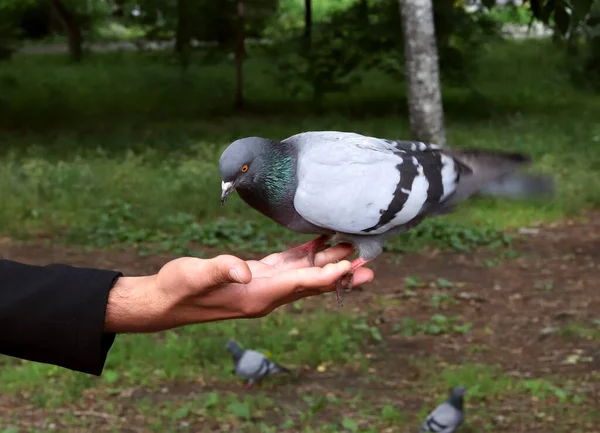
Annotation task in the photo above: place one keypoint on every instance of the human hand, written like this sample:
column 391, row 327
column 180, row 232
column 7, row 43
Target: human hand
column 191, row 290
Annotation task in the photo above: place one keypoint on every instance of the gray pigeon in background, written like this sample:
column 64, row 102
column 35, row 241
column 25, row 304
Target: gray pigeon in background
column 252, row 365
column 448, row 416
column 361, row 190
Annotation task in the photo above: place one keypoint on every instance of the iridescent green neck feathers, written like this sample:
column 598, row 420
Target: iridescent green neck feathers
column 278, row 175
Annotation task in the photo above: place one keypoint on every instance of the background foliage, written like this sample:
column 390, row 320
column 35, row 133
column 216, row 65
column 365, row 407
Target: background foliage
column 118, row 151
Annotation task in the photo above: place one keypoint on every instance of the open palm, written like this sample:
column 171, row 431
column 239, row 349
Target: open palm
column 207, row 290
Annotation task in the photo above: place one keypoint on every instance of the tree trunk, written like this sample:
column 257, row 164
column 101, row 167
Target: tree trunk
column 71, row 27
column 572, row 45
column 182, row 33
column 307, row 21
column 364, row 11
column 422, row 72
column 119, row 9
column 239, row 56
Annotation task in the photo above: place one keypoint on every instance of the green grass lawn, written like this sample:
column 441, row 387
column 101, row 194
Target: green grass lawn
column 185, row 378
column 198, row 353
column 123, row 149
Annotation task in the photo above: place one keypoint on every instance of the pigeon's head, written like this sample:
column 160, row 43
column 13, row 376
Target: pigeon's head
column 232, row 345
column 235, row 349
column 456, row 397
column 240, row 164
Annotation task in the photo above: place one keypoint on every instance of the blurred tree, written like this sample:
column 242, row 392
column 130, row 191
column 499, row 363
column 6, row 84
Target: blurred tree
column 119, row 9
column 577, row 22
column 363, row 11
column 422, row 72
column 461, row 34
column 35, row 21
column 339, row 47
column 207, row 20
column 365, row 35
column 240, row 53
column 10, row 15
column 8, row 36
column 71, row 27
column 307, row 21
column 183, row 31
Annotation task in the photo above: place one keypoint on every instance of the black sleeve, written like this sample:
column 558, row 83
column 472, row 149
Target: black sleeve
column 55, row 314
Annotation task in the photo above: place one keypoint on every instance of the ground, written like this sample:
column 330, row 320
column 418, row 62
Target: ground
column 119, row 155
column 526, row 347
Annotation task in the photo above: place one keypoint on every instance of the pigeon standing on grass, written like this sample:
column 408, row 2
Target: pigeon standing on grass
column 252, row 365
column 448, row 416
column 361, row 190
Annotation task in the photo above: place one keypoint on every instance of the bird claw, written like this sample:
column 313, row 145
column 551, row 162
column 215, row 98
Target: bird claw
column 311, row 257
column 338, row 293
column 339, row 287
column 350, row 276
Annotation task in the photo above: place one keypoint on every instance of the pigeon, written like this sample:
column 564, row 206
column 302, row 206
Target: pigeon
column 448, row 416
column 252, row 365
column 356, row 189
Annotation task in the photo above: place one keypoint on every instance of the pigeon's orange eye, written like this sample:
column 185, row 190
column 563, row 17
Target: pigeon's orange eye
column 244, row 168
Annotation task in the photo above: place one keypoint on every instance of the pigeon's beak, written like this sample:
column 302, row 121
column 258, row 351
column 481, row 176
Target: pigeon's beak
column 226, row 189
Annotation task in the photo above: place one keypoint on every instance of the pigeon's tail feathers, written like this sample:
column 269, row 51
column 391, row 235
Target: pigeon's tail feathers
column 520, row 185
column 494, row 172
column 277, row 368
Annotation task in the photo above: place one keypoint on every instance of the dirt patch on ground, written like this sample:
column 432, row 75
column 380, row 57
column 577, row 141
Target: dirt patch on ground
column 521, row 303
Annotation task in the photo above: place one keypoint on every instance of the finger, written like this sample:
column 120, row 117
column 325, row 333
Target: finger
column 361, row 276
column 330, row 255
column 265, row 294
column 272, row 259
column 285, row 283
column 226, row 269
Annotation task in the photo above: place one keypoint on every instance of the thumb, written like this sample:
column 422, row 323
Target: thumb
column 227, row 269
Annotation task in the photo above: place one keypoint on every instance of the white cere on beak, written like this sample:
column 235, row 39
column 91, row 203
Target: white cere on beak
column 226, row 188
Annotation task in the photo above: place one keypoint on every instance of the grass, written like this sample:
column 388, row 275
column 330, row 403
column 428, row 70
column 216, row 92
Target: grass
column 141, row 142
column 198, row 353
column 438, row 324
column 122, row 151
column 345, row 407
column 577, row 330
column 182, row 380
column 489, row 382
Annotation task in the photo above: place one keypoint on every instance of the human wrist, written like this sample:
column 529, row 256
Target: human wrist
column 133, row 306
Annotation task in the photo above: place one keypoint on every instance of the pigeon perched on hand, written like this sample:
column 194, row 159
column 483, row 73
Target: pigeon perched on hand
column 361, row 190
column 448, row 416
column 252, row 365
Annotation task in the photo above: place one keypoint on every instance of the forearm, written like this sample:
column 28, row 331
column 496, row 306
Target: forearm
column 133, row 306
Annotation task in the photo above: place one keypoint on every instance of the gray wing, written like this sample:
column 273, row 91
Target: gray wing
column 357, row 184
column 444, row 419
column 250, row 364
column 255, row 365
column 414, row 145
column 319, row 138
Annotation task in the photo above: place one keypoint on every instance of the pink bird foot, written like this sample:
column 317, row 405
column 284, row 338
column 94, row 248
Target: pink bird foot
column 309, row 249
column 356, row 263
